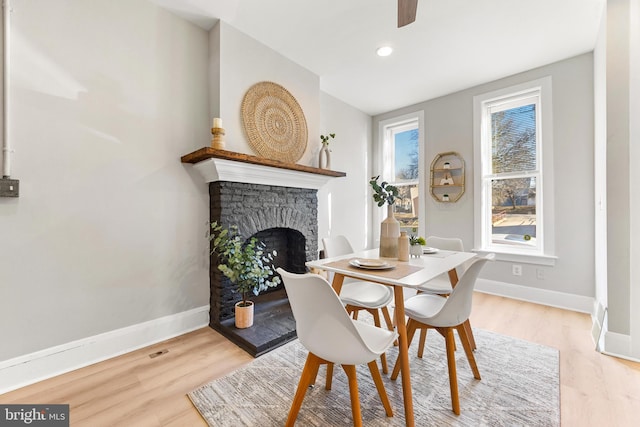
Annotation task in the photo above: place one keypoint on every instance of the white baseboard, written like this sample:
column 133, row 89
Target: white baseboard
column 563, row 300
column 612, row 344
column 618, row 345
column 31, row 368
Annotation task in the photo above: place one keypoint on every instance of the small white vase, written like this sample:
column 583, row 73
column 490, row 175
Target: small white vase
column 244, row 315
column 389, row 233
column 324, row 157
column 416, row 250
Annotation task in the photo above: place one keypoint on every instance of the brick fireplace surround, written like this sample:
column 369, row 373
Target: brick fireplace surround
column 277, row 203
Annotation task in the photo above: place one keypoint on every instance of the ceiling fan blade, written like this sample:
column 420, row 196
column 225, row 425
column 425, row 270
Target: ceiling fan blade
column 406, row 12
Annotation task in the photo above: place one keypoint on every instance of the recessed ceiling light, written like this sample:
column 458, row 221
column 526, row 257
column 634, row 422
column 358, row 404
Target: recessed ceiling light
column 384, row 51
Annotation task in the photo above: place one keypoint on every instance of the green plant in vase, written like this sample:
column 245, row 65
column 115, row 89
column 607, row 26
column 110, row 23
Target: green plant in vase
column 247, row 264
column 416, row 243
column 324, row 159
column 385, row 193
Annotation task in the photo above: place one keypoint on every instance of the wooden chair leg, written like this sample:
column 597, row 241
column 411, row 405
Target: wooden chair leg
column 443, row 332
column 306, row 379
column 391, row 322
column 387, row 318
column 412, row 325
column 466, row 344
column 350, row 370
column 314, row 373
column 383, row 362
column 472, row 340
column 423, row 339
column 453, row 377
column 376, row 317
column 377, row 379
column 352, row 310
column 383, row 357
column 396, row 369
column 329, row 378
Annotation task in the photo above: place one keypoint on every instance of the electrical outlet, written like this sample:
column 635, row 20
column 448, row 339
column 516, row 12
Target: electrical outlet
column 9, row 187
column 540, row 273
column 516, row 270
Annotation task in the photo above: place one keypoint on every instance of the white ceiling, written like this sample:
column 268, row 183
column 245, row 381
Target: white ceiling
column 452, row 45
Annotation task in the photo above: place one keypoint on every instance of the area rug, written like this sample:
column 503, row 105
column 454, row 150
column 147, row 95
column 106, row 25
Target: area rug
column 519, row 387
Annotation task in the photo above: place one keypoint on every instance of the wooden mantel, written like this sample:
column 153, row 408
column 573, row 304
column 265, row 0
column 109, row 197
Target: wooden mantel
column 222, row 165
column 206, row 153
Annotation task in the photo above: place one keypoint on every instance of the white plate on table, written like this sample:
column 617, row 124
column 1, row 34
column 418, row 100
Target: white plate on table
column 371, row 264
column 428, row 250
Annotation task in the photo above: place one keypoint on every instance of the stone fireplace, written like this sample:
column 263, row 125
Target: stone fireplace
column 277, row 203
column 285, row 219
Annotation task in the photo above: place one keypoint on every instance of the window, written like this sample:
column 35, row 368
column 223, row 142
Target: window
column 513, row 180
column 400, row 160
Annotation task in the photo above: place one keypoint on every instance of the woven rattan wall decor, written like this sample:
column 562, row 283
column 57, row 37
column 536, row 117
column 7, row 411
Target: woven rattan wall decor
column 274, row 122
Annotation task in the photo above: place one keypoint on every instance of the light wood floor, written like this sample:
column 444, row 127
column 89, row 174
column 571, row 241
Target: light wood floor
column 136, row 390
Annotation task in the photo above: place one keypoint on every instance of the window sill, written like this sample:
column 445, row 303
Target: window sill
column 549, row 260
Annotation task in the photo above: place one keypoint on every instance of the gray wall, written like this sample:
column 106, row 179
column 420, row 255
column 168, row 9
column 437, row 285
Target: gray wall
column 245, row 61
column 344, row 204
column 618, row 150
column 619, row 44
column 109, row 228
column 634, row 158
column 449, row 127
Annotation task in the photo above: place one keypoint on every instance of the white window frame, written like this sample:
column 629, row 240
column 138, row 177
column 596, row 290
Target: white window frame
column 384, row 161
column 511, row 97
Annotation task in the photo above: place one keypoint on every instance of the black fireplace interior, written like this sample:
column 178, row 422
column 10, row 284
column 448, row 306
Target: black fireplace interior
column 285, row 219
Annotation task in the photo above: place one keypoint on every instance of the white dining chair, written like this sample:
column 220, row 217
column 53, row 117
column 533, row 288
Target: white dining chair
column 360, row 295
column 444, row 314
column 331, row 336
column 442, row 285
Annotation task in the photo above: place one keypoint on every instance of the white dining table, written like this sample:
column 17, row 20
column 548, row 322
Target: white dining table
column 407, row 274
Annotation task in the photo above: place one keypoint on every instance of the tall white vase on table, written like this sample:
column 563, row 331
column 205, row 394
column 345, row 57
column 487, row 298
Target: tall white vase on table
column 389, row 233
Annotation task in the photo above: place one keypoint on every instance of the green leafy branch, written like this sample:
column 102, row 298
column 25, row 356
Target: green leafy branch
column 247, row 264
column 325, row 138
column 383, row 192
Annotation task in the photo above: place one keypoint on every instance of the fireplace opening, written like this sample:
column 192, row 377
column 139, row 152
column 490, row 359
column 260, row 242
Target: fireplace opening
column 273, row 323
column 289, row 245
column 290, row 255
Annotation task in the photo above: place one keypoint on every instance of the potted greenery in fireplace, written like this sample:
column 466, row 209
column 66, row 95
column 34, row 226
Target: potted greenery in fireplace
column 247, row 264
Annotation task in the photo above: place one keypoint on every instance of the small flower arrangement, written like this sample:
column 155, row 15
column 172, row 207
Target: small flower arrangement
column 417, row 240
column 325, row 138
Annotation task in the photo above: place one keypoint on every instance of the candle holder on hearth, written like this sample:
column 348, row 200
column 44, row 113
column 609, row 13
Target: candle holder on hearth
column 217, row 141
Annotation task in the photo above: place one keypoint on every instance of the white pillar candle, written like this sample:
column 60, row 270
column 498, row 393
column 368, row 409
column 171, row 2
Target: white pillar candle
column 217, row 122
